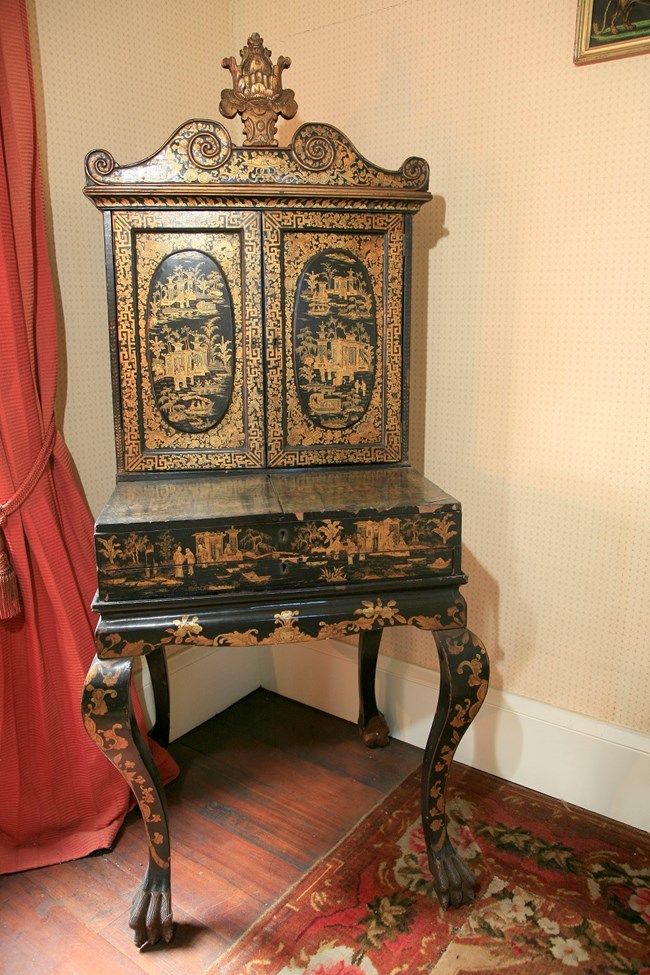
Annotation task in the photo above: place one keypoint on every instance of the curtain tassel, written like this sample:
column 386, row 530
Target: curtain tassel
column 9, row 594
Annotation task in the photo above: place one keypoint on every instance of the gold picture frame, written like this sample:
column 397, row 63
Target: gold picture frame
column 607, row 29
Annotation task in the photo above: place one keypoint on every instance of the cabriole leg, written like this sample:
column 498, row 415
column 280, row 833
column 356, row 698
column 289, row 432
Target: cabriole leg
column 157, row 664
column 109, row 720
column 464, row 673
column 372, row 725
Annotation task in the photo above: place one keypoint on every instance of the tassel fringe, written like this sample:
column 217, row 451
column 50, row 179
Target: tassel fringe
column 9, row 593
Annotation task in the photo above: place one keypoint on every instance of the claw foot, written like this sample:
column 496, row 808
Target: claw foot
column 453, row 881
column 376, row 733
column 151, row 915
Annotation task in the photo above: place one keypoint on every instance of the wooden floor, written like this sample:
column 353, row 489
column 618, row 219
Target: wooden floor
column 266, row 788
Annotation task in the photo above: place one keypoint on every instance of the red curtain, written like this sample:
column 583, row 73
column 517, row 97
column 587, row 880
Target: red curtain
column 59, row 797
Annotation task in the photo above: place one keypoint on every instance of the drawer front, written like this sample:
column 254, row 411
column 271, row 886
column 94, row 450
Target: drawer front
column 349, row 550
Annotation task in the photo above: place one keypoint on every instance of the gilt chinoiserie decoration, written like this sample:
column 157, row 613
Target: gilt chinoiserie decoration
column 257, row 93
column 259, row 334
column 258, row 302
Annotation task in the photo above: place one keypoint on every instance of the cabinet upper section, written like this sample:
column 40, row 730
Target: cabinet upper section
column 257, row 295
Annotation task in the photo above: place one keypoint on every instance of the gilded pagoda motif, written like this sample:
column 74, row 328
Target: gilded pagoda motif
column 257, row 94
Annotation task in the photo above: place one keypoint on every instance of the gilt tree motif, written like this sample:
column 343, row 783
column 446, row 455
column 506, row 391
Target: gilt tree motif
column 331, row 533
column 134, row 544
column 111, row 549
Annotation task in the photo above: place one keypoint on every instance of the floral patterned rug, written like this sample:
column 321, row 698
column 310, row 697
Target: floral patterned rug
column 559, row 890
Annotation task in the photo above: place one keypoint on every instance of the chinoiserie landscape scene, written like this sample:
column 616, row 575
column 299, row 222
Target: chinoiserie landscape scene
column 295, row 552
column 335, row 339
column 190, row 341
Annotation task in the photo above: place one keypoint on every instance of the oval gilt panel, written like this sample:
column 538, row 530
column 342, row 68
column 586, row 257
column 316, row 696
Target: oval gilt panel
column 190, row 341
column 335, row 339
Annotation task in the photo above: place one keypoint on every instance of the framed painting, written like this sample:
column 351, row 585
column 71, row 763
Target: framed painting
column 607, row 29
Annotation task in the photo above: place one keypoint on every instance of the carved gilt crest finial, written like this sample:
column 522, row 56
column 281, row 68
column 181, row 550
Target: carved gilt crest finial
column 257, row 93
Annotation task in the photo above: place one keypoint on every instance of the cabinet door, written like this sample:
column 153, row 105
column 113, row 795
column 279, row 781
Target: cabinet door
column 187, row 340
column 334, row 323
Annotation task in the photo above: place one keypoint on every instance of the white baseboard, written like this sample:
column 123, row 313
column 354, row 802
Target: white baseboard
column 590, row 763
column 202, row 682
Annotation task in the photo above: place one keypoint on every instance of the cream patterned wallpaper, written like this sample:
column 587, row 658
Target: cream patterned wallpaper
column 531, row 283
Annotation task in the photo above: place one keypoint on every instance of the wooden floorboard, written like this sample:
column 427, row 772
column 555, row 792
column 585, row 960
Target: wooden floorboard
column 266, row 788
